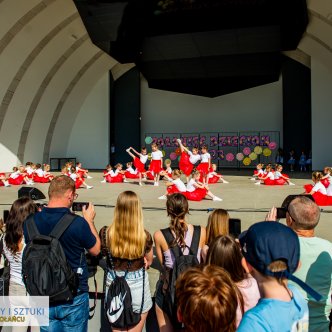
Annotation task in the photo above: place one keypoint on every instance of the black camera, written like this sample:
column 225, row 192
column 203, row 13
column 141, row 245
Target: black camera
column 78, row 206
column 234, row 225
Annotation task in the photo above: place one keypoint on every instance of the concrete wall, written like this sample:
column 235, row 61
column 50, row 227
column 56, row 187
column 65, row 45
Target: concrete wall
column 256, row 109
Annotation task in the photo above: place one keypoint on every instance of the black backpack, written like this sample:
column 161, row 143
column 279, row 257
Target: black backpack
column 118, row 302
column 45, row 269
column 181, row 263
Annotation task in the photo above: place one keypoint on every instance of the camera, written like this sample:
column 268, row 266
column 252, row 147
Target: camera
column 234, row 225
column 78, row 206
column 281, row 211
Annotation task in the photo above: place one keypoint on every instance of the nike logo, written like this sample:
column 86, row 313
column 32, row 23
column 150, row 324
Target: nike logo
column 116, row 308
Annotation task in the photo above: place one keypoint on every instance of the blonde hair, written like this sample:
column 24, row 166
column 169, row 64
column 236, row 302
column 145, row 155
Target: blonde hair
column 126, row 236
column 218, row 224
column 317, row 176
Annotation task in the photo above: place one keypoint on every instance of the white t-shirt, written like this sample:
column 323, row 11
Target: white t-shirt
column 319, row 187
column 205, row 157
column 191, row 185
column 194, row 158
column 270, row 175
column 131, row 170
column 179, row 184
column 14, row 175
column 39, row 172
column 156, row 155
column 73, row 176
column 15, row 263
column 277, row 175
column 143, row 158
column 29, row 170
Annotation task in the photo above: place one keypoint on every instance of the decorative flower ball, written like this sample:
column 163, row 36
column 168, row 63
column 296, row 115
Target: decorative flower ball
column 246, row 161
column 173, row 156
column 267, row 152
column 178, row 151
column 272, row 145
column 246, row 151
column 148, row 140
column 229, row 156
column 253, row 156
column 239, row 156
column 258, row 149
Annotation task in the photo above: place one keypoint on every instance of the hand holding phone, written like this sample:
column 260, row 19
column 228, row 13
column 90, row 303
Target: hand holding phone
column 78, row 206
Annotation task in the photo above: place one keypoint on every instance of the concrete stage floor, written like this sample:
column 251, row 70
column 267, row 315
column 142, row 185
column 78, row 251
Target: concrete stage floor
column 241, row 198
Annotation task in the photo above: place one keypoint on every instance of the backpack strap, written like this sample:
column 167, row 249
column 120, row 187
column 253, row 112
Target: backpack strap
column 169, row 239
column 62, row 225
column 195, row 240
column 31, row 227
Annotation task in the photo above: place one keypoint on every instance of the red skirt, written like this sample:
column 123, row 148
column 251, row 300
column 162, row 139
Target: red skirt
column 184, row 164
column 155, row 166
column 149, row 175
column 173, row 189
column 40, row 179
column 114, row 179
column 214, row 179
column 81, row 173
column 325, row 182
column 1, row 183
column 16, row 182
column 129, row 175
column 320, row 199
column 197, row 195
column 203, row 168
column 279, row 182
column 78, row 183
column 139, row 165
column 269, row 182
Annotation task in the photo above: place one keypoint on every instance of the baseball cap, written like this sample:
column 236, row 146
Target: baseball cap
column 266, row 242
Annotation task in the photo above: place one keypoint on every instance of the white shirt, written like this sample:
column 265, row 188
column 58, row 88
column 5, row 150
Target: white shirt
column 179, row 184
column 270, row 175
column 15, row 262
column 205, row 157
column 329, row 190
column 260, row 172
column 29, row 170
column 39, row 172
column 157, row 155
column 277, row 175
column 194, row 158
column 73, row 176
column 319, row 187
column 143, row 158
column 131, row 170
column 191, row 185
column 14, row 175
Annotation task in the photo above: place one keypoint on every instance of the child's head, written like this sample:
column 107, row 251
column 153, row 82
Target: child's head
column 218, row 224
column 73, row 169
column 28, row 164
column 214, row 167
column 15, row 169
column 129, row 164
column 38, row 166
column 195, row 174
column 78, row 164
column 207, row 300
column 154, row 147
column 225, row 252
column 194, row 150
column 143, row 150
column 64, row 170
column 204, row 148
column 316, row 176
column 176, row 174
column 327, row 170
column 118, row 166
column 272, row 249
column 259, row 166
column 168, row 163
column 21, row 168
column 268, row 168
column 109, row 167
column 47, row 167
column 279, row 168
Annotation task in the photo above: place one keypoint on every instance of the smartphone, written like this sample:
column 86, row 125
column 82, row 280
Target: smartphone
column 234, row 225
column 5, row 215
column 281, row 212
column 78, row 206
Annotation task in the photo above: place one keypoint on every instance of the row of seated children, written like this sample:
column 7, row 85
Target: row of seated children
column 77, row 173
column 322, row 188
column 29, row 174
column 271, row 176
column 195, row 190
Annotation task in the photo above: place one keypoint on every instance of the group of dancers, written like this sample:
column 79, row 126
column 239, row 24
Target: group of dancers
column 29, row 174
column 271, row 176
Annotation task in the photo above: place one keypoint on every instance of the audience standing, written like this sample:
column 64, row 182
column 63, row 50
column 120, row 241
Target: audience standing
column 81, row 235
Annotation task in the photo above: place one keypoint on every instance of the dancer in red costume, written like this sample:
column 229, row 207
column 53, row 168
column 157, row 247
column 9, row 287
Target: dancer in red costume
column 196, row 190
column 4, row 180
column 318, row 191
column 130, row 173
column 79, row 181
column 258, row 172
column 139, row 160
column 280, row 178
column 188, row 159
column 213, row 176
column 114, row 176
column 174, row 185
column 18, row 177
column 267, row 178
column 156, row 165
column 205, row 164
column 82, row 172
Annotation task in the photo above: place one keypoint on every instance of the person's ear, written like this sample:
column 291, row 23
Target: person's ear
column 179, row 315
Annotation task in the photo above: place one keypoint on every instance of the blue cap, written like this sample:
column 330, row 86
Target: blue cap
column 266, row 242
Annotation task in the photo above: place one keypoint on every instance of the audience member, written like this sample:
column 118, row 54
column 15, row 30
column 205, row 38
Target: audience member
column 272, row 253
column 316, row 260
column 14, row 245
column 81, row 235
column 218, row 224
column 130, row 247
column 225, row 252
column 183, row 232
column 207, row 300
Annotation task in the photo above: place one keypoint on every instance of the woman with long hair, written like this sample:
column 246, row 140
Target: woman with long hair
column 225, row 252
column 14, row 245
column 130, row 248
column 183, row 233
column 218, row 224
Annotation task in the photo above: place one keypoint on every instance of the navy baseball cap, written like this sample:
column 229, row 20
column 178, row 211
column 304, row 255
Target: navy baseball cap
column 269, row 241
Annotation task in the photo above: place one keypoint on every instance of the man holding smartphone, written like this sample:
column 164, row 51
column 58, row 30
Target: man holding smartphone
column 80, row 235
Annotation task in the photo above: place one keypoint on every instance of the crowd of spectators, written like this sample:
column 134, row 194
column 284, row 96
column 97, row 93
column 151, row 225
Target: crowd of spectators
column 274, row 277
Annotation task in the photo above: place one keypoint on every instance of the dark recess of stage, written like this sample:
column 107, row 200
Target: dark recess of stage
column 199, row 47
